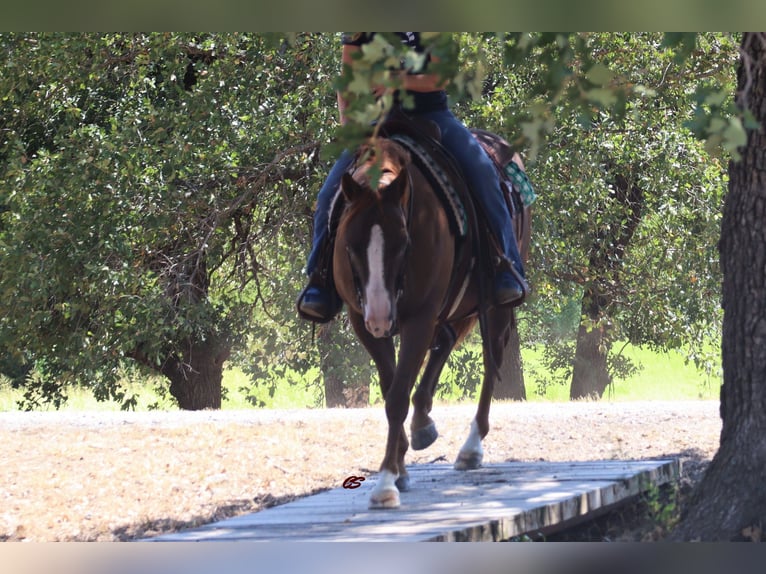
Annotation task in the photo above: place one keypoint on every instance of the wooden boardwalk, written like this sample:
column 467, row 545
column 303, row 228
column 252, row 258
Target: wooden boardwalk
column 493, row 503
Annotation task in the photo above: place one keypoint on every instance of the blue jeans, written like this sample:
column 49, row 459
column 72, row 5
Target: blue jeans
column 481, row 174
column 477, row 168
column 324, row 201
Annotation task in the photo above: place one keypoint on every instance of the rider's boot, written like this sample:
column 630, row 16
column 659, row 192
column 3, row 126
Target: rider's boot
column 319, row 301
column 318, row 304
column 510, row 286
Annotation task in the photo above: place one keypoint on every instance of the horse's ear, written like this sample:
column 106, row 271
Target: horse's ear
column 396, row 190
column 350, row 188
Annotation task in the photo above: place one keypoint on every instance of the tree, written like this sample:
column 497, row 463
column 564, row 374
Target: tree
column 347, row 370
column 147, row 179
column 730, row 502
column 629, row 200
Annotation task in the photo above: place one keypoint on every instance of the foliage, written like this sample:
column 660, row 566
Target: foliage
column 663, row 283
column 149, row 183
column 558, row 358
column 156, row 190
column 346, row 367
column 462, row 375
column 662, row 506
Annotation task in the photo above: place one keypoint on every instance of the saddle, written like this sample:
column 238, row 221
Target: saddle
column 422, row 138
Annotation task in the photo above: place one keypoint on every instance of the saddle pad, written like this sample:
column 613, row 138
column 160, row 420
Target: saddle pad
column 449, row 195
column 521, row 183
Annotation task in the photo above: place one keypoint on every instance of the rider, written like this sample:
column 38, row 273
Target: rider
column 318, row 302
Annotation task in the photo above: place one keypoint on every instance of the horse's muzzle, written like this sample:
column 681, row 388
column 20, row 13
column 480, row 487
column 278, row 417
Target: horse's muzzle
column 380, row 328
column 379, row 318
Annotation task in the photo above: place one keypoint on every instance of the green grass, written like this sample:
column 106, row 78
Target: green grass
column 287, row 396
column 663, row 376
column 234, row 380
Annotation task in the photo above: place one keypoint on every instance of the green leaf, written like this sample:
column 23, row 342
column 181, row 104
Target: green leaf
column 682, row 42
column 734, row 135
column 602, row 96
column 599, row 74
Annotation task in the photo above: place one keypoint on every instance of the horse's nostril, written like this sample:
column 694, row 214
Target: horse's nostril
column 379, row 329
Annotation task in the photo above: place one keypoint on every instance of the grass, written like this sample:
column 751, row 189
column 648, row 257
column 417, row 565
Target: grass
column 239, row 387
column 662, row 376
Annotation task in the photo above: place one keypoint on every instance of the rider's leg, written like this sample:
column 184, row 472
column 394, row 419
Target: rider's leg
column 482, row 176
column 318, row 301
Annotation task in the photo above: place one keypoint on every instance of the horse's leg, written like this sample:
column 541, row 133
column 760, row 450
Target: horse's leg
column 416, row 336
column 422, row 427
column 498, row 330
column 381, row 350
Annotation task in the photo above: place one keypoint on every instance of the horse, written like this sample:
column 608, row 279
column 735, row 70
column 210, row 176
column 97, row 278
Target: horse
column 400, row 269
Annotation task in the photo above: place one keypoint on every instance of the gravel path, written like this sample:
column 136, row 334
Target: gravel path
column 121, row 476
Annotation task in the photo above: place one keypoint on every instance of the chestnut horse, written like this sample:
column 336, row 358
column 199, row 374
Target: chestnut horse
column 400, row 269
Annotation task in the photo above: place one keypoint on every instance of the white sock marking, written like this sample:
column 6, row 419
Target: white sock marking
column 473, row 442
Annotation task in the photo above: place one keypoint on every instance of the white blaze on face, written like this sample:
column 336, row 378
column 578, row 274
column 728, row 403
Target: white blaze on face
column 377, row 301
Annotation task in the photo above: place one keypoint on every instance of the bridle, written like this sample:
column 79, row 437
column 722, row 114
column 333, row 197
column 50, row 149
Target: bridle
column 399, row 282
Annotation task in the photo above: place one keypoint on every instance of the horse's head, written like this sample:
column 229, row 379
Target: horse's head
column 376, row 239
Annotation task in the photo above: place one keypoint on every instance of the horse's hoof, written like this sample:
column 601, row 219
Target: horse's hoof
column 468, row 460
column 387, row 498
column 423, row 438
column 403, row 483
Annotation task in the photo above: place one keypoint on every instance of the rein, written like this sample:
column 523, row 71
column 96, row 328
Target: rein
column 408, row 219
column 401, row 276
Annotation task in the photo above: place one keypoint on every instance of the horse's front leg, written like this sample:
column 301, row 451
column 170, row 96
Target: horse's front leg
column 415, row 339
column 381, row 350
column 422, row 427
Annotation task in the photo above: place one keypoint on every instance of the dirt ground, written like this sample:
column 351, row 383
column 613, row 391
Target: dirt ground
column 125, row 476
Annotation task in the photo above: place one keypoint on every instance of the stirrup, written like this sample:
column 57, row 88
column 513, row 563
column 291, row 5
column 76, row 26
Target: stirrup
column 513, row 297
column 323, row 313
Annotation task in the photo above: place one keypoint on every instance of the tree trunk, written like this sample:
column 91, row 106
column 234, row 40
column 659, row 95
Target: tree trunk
column 590, row 376
column 195, row 379
column 730, row 498
column 333, row 389
column 345, row 367
column 511, row 383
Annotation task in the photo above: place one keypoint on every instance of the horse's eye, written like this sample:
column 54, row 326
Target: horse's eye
column 353, row 256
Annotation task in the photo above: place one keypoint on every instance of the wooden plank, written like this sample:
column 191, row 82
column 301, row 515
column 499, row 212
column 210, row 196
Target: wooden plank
column 495, row 502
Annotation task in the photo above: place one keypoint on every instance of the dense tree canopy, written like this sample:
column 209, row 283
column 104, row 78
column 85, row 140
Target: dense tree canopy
column 157, row 189
column 630, row 201
column 148, row 183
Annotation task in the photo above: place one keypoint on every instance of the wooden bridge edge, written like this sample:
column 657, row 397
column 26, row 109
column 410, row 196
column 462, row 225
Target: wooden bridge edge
column 562, row 515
